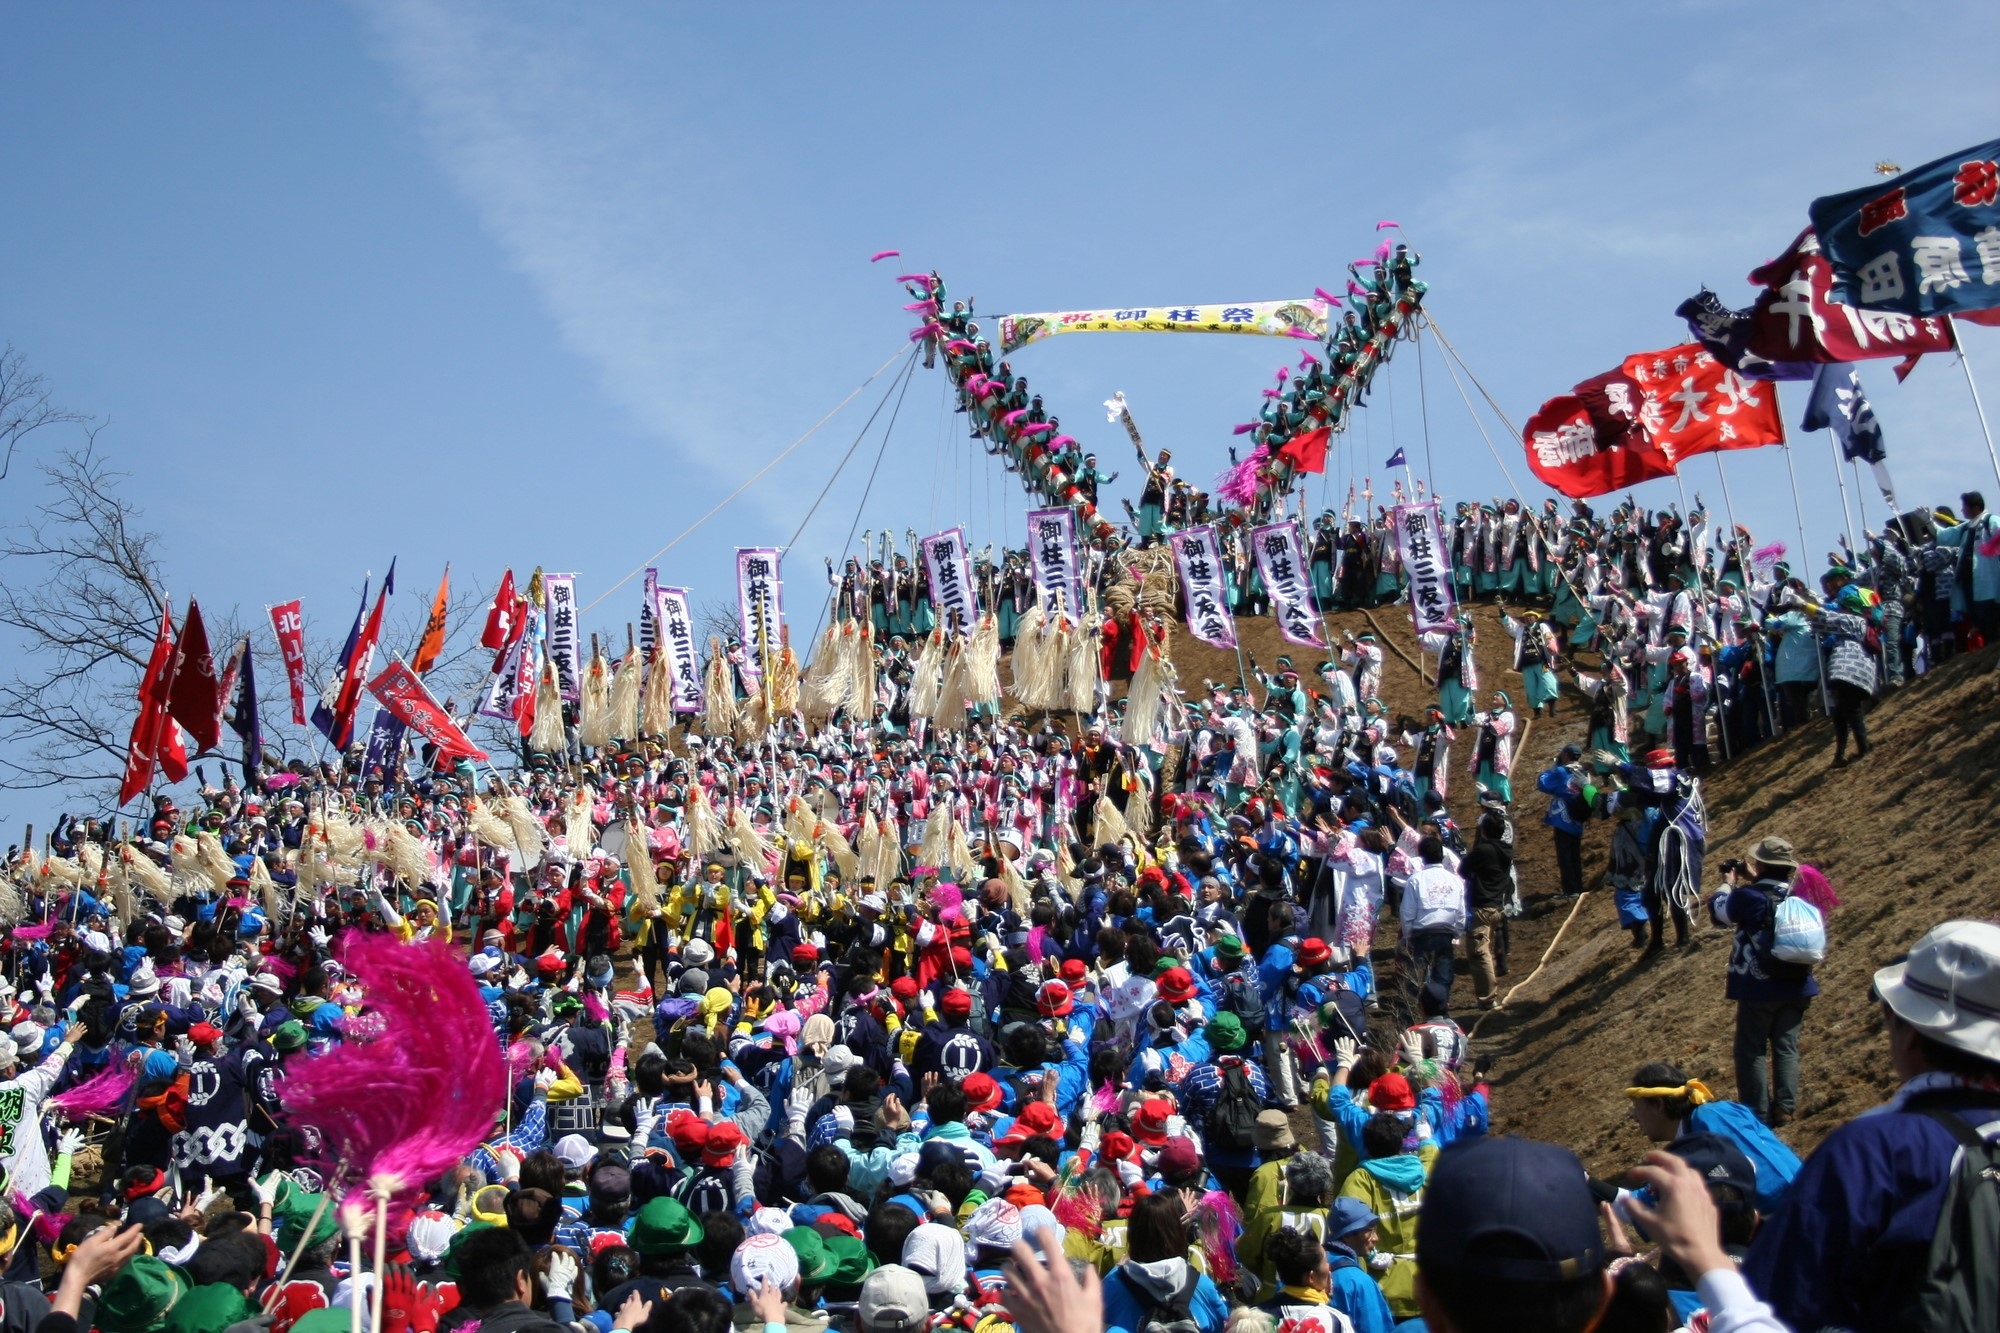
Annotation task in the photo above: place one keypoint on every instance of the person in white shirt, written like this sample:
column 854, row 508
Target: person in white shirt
column 1433, row 919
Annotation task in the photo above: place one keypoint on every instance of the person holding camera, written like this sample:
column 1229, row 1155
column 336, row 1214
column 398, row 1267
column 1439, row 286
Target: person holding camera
column 1771, row 995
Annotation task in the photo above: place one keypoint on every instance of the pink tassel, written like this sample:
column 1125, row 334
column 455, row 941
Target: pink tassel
column 924, row 278
column 1366, row 263
column 1272, row 393
column 1106, row 1098
column 1219, row 1224
column 959, row 345
column 1243, row 429
column 881, row 255
column 1306, row 334
column 1061, row 440
column 1357, row 288
column 1384, row 250
column 923, row 307
column 593, row 1008
column 1326, row 296
column 1380, row 225
column 1284, row 373
column 40, row 932
column 103, row 1094
column 48, row 1226
column 948, row 895
column 436, row 1051
column 1013, row 416
column 1307, row 359
column 1813, row 887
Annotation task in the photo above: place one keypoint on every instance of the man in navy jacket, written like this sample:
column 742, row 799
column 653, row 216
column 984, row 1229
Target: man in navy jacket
column 1848, row 1246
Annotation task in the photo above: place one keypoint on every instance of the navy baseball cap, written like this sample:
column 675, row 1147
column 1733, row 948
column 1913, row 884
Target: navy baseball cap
column 1720, row 1162
column 1512, row 1209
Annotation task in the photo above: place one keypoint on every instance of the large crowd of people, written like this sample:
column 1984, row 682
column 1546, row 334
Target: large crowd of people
column 915, row 1013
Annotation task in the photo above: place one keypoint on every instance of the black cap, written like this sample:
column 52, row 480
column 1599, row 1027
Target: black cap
column 1512, row 1209
column 1720, row 1162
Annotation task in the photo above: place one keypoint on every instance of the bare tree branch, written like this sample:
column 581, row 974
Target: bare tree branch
column 25, row 405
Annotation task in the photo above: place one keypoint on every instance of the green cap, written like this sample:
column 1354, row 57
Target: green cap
column 851, row 1261
column 321, row 1321
column 815, row 1264
column 665, row 1226
column 289, row 1035
column 1225, row 1032
column 295, row 1209
column 139, row 1299
column 210, row 1309
column 1228, row 946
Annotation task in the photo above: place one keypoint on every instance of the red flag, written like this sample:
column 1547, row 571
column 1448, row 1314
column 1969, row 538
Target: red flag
column 173, row 753
column 1692, row 404
column 1306, row 451
column 196, row 697
column 1797, row 319
column 410, row 703
column 356, row 668
column 432, row 646
column 288, row 622
column 153, row 689
column 1564, row 451
column 503, row 621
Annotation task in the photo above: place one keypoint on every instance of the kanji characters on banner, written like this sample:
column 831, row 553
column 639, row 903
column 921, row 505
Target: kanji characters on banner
column 1281, row 562
column 1052, row 556
column 679, row 653
column 1280, row 319
column 399, row 690
column 952, row 591
column 760, row 607
column 1565, row 452
column 1198, row 554
column 1926, row 243
column 288, row 622
column 565, row 641
column 1426, row 550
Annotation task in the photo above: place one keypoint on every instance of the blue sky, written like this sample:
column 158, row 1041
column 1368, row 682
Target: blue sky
column 529, row 284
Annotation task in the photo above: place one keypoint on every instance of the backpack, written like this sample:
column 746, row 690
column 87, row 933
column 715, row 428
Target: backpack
column 1798, row 932
column 1241, row 996
column 1232, row 1121
column 1959, row 1291
column 1173, row 1315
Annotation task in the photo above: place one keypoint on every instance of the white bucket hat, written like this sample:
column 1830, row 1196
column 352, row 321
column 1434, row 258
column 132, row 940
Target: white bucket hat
column 1949, row 987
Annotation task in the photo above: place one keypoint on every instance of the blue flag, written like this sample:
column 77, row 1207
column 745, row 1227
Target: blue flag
column 322, row 714
column 244, row 721
column 1927, row 243
column 1837, row 404
column 1397, row 460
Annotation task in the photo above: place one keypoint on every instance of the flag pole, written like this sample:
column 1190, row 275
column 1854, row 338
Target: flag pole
column 1833, row 443
column 1798, row 511
column 1977, row 406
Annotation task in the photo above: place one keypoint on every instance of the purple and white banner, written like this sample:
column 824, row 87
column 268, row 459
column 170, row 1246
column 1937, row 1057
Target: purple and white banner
column 1282, row 564
column 1052, row 557
column 1426, row 550
column 952, row 593
column 678, row 651
column 565, row 648
column 649, row 615
column 760, row 607
column 514, row 672
column 1199, row 555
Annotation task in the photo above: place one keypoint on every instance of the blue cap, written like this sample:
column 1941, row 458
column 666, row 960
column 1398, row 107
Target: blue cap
column 1720, row 1162
column 1349, row 1215
column 1512, row 1209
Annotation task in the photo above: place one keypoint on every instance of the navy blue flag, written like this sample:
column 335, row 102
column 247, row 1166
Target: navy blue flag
column 1397, row 460
column 1837, row 404
column 385, row 739
column 322, row 714
column 1726, row 334
column 244, row 721
column 1927, row 243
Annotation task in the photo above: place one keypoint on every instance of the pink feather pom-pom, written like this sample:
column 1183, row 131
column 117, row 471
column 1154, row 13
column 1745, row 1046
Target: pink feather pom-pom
column 1014, row 416
column 881, row 255
column 522, row 1056
column 1326, row 296
column 1243, row 429
column 960, row 345
column 1307, row 359
column 1811, row 886
column 1357, row 289
column 435, row 1051
column 923, row 307
column 40, row 932
column 1061, row 440
column 1384, row 250
column 948, row 895
column 1297, row 332
column 103, row 1094
column 924, row 278
column 1037, row 428
column 1284, row 373
column 1380, row 225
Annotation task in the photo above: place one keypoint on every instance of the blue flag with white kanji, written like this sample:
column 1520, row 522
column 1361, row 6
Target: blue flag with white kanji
column 1926, row 243
column 1837, row 404
column 1397, row 460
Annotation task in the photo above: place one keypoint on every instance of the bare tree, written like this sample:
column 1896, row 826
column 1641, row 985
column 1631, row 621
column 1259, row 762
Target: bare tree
column 25, row 405
column 80, row 588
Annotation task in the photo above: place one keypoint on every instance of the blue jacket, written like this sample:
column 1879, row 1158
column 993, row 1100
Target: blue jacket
column 1556, row 783
column 1754, row 975
column 1355, row 1294
column 1849, row 1245
column 1125, row 1307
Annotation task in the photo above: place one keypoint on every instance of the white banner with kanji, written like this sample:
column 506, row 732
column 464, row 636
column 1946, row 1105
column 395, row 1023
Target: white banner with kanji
column 1198, row 554
column 1282, row 565
column 1426, row 552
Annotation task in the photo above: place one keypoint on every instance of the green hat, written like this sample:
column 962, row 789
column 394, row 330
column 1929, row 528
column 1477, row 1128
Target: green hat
column 815, row 1263
column 1166, row 964
column 289, row 1035
column 1225, row 1032
column 296, row 1209
column 321, row 1321
column 140, row 1297
column 851, row 1261
column 1228, row 946
column 565, row 1002
column 665, row 1226
column 210, row 1309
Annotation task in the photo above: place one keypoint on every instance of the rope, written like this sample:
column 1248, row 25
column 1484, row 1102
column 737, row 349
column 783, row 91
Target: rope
column 860, row 435
column 723, row 503
column 1547, row 953
column 887, row 431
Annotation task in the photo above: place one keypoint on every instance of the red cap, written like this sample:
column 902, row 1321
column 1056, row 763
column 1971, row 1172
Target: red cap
column 1176, row 985
column 981, row 1092
column 956, row 1003
column 828, row 1223
column 1054, row 999
column 688, row 1131
column 724, row 1138
column 1315, row 952
column 1149, row 1123
column 1659, row 759
column 961, row 961
column 549, row 960
column 1075, row 971
column 803, row 955
column 1037, row 1120
column 904, row 988
column 1178, row 1157
column 203, row 1034
column 1391, row 1092
column 1118, row 1146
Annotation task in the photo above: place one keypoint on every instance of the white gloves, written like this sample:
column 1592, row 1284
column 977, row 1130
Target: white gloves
column 246, row 1009
column 562, row 1273
column 45, row 985
column 318, row 936
column 1346, row 1051
column 266, row 1189
column 1413, row 1047
column 544, row 1080
column 69, row 1143
column 508, row 1159
column 1176, row 1126
column 843, row 1119
column 1130, row 1174
column 184, row 1052
column 645, row 1115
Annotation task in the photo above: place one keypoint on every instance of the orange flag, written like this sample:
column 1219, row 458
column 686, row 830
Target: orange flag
column 432, row 647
